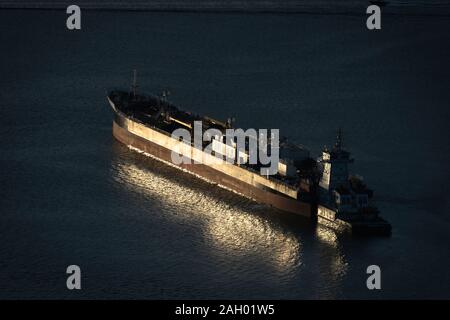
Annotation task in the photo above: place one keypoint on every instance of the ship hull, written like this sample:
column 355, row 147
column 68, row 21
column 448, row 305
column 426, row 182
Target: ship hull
column 378, row 226
column 261, row 195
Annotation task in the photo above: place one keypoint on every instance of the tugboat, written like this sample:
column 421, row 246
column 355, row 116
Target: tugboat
column 344, row 200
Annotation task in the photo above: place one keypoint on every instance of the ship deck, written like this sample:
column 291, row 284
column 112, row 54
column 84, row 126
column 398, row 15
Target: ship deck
column 147, row 110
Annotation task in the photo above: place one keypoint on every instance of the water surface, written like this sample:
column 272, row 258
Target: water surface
column 71, row 194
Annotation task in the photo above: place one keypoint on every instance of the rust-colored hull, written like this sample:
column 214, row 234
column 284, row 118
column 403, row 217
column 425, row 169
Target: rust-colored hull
column 260, row 195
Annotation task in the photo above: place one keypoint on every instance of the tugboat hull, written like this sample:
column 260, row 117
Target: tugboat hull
column 376, row 226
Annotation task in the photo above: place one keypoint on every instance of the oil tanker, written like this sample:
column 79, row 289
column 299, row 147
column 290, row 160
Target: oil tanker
column 319, row 189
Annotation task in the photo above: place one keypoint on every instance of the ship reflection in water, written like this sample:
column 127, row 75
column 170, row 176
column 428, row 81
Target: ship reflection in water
column 333, row 266
column 232, row 227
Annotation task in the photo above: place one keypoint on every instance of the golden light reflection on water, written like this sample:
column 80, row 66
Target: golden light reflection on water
column 239, row 231
column 234, row 227
column 333, row 266
column 229, row 224
column 326, row 235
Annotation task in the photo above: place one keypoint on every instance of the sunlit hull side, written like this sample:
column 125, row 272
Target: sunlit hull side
column 261, row 195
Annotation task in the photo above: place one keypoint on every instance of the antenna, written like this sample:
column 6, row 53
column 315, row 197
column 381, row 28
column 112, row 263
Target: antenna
column 164, row 95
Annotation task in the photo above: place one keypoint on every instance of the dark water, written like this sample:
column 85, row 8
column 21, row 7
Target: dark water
column 70, row 194
column 427, row 7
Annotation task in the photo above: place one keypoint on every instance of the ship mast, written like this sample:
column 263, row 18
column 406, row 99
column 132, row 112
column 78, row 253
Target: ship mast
column 338, row 144
column 134, row 85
